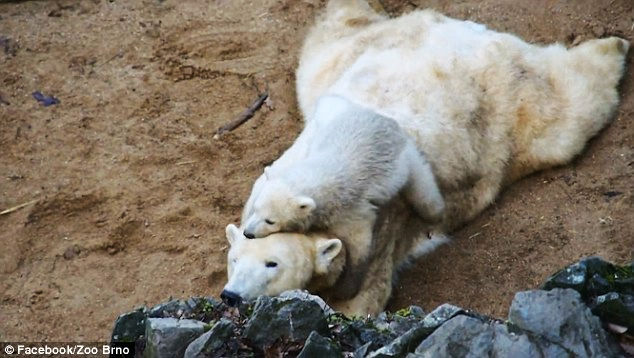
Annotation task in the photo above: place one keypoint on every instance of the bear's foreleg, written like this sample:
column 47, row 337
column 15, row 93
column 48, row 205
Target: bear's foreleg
column 355, row 230
column 421, row 189
column 376, row 286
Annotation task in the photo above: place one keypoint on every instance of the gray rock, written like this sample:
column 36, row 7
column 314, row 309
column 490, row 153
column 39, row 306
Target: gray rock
column 276, row 318
column 169, row 337
column 400, row 321
column 173, row 308
column 441, row 315
column 306, row 296
column 416, row 311
column 210, row 342
column 465, row 336
column 403, row 344
column 561, row 317
column 318, row 346
column 353, row 334
column 129, row 326
column 458, row 337
column 362, row 350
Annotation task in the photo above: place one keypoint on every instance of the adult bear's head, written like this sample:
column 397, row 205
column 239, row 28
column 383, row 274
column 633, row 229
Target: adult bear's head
column 277, row 263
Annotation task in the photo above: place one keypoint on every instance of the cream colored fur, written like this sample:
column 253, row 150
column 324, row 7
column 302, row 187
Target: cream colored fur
column 286, row 261
column 487, row 108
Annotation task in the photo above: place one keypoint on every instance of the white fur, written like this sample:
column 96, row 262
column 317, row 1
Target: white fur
column 296, row 259
column 353, row 160
column 485, row 107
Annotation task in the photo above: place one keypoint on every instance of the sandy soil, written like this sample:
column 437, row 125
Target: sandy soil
column 133, row 193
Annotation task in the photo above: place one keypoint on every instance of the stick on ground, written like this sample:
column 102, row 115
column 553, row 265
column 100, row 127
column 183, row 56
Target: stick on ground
column 243, row 117
column 17, row 207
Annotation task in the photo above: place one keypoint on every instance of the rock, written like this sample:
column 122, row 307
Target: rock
column 465, row 336
column 209, row 344
column 385, row 330
column 400, row 321
column 541, row 323
column 616, row 308
column 129, row 326
column 305, row 296
column 597, row 285
column 173, row 309
column 561, row 317
column 403, row 344
column 205, row 308
column 198, row 308
column 573, row 276
column 362, row 351
column 624, row 280
column 414, row 311
column 458, row 337
column 276, row 318
column 593, row 277
column 318, row 346
column 441, row 315
column 353, row 335
column 511, row 342
column 169, row 337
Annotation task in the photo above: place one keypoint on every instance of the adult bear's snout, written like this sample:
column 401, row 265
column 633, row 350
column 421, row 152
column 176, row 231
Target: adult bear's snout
column 249, row 235
column 230, row 298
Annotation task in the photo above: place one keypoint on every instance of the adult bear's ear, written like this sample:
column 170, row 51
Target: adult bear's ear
column 326, row 251
column 305, row 204
column 233, row 234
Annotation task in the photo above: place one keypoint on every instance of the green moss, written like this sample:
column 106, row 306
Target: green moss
column 207, row 307
column 622, row 272
column 338, row 318
column 249, row 311
column 404, row 312
column 209, row 325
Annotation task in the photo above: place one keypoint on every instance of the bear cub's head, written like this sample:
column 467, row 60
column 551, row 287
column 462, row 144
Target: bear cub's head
column 278, row 208
column 278, row 263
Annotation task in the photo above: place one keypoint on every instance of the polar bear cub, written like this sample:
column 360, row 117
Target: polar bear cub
column 356, row 161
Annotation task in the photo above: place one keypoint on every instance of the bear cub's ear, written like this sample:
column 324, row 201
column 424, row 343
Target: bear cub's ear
column 233, row 234
column 326, row 251
column 305, row 204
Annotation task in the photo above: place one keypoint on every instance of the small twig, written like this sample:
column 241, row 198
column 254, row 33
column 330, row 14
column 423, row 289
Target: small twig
column 17, row 207
column 118, row 54
column 474, row 235
column 243, row 117
column 186, row 162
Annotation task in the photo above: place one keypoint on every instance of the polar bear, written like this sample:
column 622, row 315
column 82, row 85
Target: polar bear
column 356, row 161
column 287, row 261
column 485, row 107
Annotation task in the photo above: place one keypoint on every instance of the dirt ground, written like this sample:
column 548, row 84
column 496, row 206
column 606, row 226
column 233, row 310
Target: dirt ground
column 133, row 194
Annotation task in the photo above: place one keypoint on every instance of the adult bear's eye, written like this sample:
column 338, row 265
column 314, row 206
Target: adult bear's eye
column 269, row 222
column 271, row 264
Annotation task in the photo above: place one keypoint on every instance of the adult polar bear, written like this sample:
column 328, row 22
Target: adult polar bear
column 485, row 107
